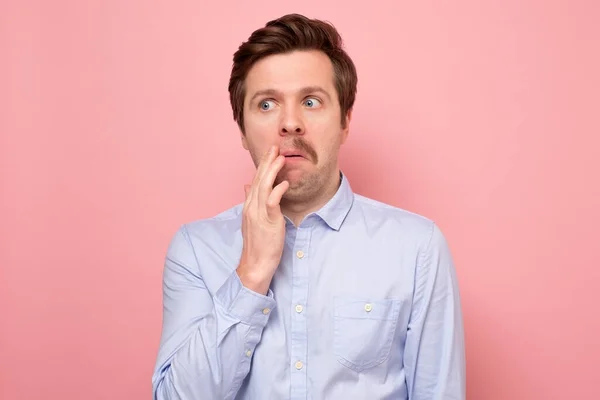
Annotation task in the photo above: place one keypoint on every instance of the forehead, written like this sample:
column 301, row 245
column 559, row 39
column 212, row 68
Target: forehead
column 291, row 72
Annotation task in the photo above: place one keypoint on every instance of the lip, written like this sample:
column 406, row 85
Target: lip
column 290, row 153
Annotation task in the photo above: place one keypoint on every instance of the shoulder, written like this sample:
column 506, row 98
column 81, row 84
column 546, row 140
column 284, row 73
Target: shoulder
column 407, row 229
column 228, row 219
column 218, row 225
column 378, row 211
column 394, row 219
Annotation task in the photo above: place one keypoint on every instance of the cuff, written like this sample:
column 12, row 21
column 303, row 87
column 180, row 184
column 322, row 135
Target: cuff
column 244, row 304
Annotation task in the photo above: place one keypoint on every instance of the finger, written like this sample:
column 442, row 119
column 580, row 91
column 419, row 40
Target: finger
column 266, row 160
column 268, row 180
column 275, row 198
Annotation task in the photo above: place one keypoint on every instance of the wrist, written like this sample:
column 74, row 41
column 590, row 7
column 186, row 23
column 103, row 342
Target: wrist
column 253, row 280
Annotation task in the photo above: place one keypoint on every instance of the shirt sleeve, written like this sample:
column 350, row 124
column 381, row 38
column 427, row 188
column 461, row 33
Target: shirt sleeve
column 435, row 353
column 207, row 340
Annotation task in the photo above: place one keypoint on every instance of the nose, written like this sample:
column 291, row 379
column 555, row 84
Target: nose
column 291, row 123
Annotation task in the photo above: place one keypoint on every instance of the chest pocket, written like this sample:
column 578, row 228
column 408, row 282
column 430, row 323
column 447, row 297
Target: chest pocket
column 363, row 330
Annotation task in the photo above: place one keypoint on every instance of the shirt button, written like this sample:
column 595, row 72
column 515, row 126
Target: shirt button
column 299, row 308
column 300, row 254
column 299, row 365
column 368, row 307
column 266, row 311
column 249, row 353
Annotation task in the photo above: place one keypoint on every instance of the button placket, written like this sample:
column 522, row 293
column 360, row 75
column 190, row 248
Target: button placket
column 298, row 337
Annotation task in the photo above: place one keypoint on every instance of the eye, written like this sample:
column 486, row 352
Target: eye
column 266, row 105
column 312, row 102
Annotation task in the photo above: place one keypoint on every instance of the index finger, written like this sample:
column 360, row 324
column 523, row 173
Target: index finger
column 264, row 164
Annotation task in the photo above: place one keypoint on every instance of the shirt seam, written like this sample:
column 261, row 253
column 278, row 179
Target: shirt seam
column 421, row 262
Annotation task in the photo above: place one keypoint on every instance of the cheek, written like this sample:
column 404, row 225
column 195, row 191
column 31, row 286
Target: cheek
column 326, row 130
column 261, row 122
column 325, row 120
column 261, row 133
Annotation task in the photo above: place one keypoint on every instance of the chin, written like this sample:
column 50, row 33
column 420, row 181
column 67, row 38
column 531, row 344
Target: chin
column 294, row 195
column 303, row 184
column 301, row 191
column 294, row 179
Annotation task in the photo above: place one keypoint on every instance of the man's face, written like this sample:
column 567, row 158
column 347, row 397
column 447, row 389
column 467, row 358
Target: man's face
column 291, row 101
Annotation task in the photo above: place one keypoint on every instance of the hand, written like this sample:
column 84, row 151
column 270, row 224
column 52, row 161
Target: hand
column 263, row 225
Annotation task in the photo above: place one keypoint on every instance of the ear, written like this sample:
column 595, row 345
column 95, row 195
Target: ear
column 243, row 137
column 346, row 128
column 244, row 140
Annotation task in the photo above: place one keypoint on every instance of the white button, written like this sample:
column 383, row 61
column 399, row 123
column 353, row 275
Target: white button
column 299, row 365
column 368, row 307
column 299, row 254
column 266, row 311
column 249, row 353
column 299, row 308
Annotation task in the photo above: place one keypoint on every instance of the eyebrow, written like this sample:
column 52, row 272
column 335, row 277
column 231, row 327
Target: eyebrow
column 304, row 91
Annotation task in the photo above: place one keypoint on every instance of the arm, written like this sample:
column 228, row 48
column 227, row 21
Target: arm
column 207, row 343
column 435, row 354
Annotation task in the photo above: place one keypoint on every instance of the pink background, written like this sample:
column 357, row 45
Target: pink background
column 116, row 128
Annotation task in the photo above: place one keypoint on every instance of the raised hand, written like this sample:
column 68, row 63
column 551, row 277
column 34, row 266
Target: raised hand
column 263, row 225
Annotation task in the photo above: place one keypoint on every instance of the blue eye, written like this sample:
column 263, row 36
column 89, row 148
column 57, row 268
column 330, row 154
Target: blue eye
column 266, row 105
column 312, row 102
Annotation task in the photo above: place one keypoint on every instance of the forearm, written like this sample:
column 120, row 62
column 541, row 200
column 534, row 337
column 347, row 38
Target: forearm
column 197, row 370
column 208, row 339
column 210, row 364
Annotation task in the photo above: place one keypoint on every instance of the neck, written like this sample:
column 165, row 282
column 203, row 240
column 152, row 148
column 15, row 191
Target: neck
column 297, row 211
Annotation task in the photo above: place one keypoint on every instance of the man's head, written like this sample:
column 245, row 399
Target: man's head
column 294, row 86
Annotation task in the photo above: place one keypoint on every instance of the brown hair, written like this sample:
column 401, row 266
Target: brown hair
column 288, row 33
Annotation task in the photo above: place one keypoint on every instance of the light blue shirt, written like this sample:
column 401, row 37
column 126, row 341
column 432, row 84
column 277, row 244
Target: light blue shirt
column 364, row 305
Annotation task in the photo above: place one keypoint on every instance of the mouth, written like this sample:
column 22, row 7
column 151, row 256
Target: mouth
column 292, row 154
column 293, row 159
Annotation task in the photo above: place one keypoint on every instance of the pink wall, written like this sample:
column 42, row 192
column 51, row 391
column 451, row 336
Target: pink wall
column 115, row 128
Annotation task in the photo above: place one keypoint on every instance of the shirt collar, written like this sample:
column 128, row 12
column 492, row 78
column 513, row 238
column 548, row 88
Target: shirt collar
column 335, row 211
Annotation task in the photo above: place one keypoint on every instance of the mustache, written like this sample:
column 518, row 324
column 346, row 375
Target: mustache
column 301, row 144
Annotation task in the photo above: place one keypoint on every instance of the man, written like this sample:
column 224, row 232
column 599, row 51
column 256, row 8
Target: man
column 306, row 290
